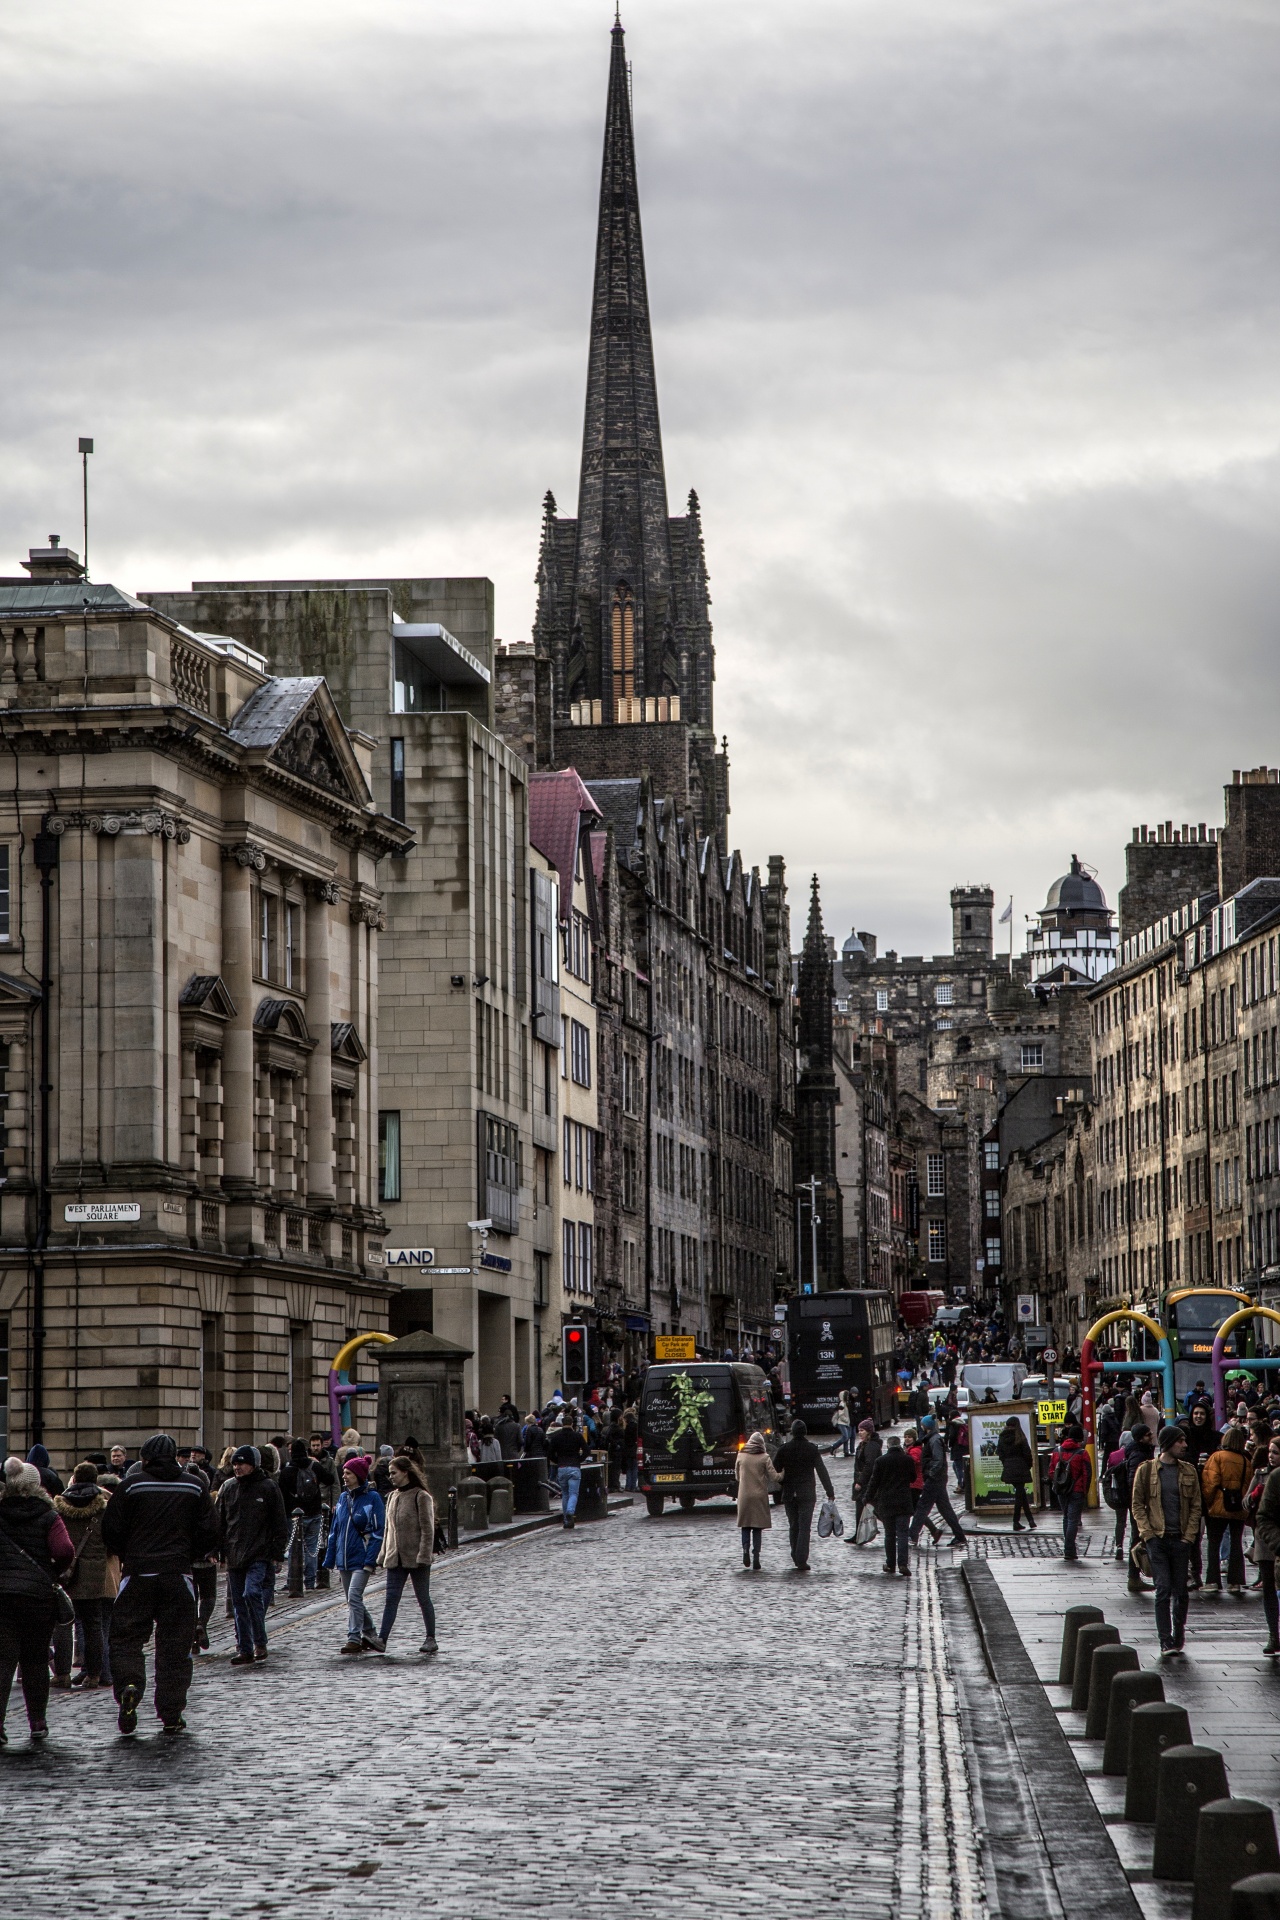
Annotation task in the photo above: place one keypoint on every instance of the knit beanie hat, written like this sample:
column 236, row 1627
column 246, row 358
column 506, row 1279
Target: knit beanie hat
column 246, row 1457
column 358, row 1465
column 1169, row 1437
column 161, row 1446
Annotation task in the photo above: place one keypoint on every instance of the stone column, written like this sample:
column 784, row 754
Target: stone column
column 322, row 896
column 238, row 864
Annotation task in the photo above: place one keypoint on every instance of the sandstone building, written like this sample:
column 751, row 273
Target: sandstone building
column 191, row 918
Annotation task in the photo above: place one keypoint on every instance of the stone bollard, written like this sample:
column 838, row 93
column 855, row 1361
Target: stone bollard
column 1072, row 1620
column 1096, row 1634
column 1128, row 1690
column 1235, row 1840
column 1152, row 1729
column 1187, row 1777
column 473, row 1504
column 1257, row 1898
column 501, row 1502
column 1108, row 1661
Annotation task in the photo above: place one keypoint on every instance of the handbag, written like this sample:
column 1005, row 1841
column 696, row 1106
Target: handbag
column 829, row 1520
column 63, row 1607
column 867, row 1529
column 1142, row 1559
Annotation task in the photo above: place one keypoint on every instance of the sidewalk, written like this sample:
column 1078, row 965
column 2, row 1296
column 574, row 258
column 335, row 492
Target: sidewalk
column 1231, row 1693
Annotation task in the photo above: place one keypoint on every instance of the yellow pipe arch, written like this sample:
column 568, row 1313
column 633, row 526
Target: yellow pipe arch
column 1229, row 1325
column 1127, row 1313
column 1185, row 1293
column 345, row 1354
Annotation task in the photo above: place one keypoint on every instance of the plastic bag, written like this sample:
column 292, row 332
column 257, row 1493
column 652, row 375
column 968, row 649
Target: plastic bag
column 829, row 1520
column 867, row 1529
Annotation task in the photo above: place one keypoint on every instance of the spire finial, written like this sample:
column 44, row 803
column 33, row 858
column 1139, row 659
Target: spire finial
column 617, row 13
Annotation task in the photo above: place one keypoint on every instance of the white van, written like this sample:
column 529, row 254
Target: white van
column 1004, row 1377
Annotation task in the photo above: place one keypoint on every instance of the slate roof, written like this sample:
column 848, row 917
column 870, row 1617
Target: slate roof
column 271, row 710
column 558, row 805
column 52, row 597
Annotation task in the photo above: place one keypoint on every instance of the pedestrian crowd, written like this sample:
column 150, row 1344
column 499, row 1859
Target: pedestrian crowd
column 129, row 1550
column 1196, row 1502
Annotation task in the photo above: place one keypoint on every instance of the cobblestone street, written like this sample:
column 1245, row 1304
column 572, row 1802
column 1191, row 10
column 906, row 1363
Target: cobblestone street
column 620, row 1719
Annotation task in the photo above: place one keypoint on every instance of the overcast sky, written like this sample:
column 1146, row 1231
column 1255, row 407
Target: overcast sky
column 966, row 326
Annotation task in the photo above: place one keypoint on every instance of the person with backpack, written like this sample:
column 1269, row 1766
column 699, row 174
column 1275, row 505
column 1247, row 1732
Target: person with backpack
column 1014, row 1452
column 253, row 1532
column 1166, row 1508
column 89, row 1581
column 355, row 1541
column 933, row 1469
column 1223, row 1480
column 301, row 1491
column 158, row 1522
column 1070, row 1475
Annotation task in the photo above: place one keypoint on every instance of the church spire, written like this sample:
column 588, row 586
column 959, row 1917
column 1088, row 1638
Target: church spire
column 624, row 546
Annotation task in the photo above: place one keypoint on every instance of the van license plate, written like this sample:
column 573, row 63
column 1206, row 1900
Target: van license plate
column 668, row 1476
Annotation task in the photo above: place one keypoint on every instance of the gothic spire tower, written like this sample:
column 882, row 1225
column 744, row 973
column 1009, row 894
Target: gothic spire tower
column 815, row 1148
column 623, row 607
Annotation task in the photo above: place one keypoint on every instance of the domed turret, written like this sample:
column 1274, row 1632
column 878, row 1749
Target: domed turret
column 1077, row 893
column 1075, row 937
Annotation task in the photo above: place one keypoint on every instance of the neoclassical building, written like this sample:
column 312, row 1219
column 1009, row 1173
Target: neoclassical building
column 189, row 925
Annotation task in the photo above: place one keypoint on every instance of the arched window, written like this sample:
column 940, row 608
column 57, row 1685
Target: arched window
column 624, row 644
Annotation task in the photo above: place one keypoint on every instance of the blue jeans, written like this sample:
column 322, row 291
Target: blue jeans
column 310, row 1550
column 1170, row 1559
column 249, row 1587
column 1071, row 1512
column 631, row 1479
column 846, row 1440
column 397, row 1578
column 570, row 1479
column 359, row 1618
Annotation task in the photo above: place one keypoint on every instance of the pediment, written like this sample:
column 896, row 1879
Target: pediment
column 345, row 1043
column 307, row 750
column 283, row 1018
column 17, row 995
column 206, row 993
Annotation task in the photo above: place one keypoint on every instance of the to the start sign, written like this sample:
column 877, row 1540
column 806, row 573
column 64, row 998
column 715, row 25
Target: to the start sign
column 1051, row 1413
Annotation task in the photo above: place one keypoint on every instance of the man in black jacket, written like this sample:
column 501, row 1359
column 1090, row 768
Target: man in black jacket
column 252, row 1535
column 567, row 1448
column 301, row 1491
column 158, row 1522
column 798, row 1460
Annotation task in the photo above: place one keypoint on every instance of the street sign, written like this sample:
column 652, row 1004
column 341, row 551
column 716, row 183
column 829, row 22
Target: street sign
column 1026, row 1307
column 1050, row 1356
column 674, row 1346
column 1036, row 1336
column 411, row 1256
column 101, row 1213
column 1051, row 1413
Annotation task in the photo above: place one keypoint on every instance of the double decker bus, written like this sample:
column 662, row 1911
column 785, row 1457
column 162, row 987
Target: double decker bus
column 1192, row 1317
column 841, row 1340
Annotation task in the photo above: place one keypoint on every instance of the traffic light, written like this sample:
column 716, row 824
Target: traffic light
column 575, row 1369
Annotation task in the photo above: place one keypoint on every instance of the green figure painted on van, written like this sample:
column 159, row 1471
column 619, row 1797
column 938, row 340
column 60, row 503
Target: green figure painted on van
column 689, row 1405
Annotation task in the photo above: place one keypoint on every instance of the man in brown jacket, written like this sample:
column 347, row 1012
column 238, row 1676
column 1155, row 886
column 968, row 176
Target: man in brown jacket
column 1166, row 1512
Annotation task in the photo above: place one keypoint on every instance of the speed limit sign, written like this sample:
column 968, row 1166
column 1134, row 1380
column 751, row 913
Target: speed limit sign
column 1050, row 1356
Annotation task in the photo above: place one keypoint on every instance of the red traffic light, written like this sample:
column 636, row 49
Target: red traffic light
column 575, row 1334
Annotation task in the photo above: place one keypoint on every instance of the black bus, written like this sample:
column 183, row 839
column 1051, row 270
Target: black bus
column 694, row 1418
column 839, row 1341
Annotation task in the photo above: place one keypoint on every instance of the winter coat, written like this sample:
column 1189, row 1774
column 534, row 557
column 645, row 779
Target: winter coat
column 844, row 1411
column 29, row 1526
column 865, row 1455
column 311, row 1496
column 39, row 1459
column 1224, row 1471
column 889, row 1489
column 490, row 1447
column 159, row 1520
column 1077, row 1459
column 756, row 1476
column 533, row 1441
column 508, row 1435
column 252, row 1524
column 798, row 1461
column 566, row 1447
column 1148, row 1508
column 1015, row 1457
column 410, row 1524
column 355, row 1538
column 1266, row 1525
column 1200, row 1440
column 94, row 1576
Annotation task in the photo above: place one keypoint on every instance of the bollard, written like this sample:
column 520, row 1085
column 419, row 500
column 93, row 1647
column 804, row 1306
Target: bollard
column 1107, row 1662
column 1096, row 1634
column 1128, row 1690
column 473, row 1504
column 1187, row 1778
column 1072, row 1620
column 1152, row 1729
column 1257, row 1898
column 453, row 1517
column 501, row 1502
column 1235, row 1840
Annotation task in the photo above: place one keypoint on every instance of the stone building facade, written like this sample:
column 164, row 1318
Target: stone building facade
column 866, row 1108
column 192, row 908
